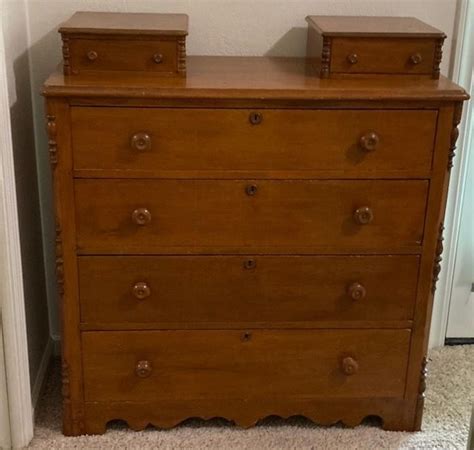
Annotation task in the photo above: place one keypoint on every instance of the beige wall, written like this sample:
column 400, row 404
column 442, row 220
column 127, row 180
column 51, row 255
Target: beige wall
column 221, row 27
column 19, row 83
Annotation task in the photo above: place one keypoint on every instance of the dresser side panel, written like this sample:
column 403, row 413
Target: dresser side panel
column 60, row 150
column 431, row 257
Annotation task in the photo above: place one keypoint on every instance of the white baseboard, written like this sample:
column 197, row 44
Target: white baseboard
column 41, row 375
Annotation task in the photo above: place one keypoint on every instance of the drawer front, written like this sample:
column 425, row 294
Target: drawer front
column 123, row 55
column 217, row 289
column 212, row 140
column 153, row 216
column 369, row 55
column 146, row 366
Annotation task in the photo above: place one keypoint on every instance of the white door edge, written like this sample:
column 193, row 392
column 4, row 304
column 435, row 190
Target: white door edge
column 462, row 74
column 5, row 437
column 11, row 281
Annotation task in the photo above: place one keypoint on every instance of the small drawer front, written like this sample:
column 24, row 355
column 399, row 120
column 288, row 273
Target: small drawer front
column 191, row 216
column 154, row 365
column 229, row 289
column 123, row 55
column 382, row 55
column 353, row 141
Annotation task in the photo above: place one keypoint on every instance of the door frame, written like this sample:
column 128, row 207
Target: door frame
column 462, row 73
column 12, row 304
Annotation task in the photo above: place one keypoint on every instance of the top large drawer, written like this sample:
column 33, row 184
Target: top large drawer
column 206, row 141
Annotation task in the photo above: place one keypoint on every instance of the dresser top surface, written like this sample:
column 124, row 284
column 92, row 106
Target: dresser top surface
column 373, row 26
column 224, row 77
column 84, row 22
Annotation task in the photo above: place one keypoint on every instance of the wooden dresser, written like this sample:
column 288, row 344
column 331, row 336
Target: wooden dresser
column 247, row 240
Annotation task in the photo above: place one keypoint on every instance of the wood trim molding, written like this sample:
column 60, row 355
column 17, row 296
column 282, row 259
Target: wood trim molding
column 11, row 281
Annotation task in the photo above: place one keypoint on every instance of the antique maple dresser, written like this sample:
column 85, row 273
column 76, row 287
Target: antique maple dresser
column 241, row 237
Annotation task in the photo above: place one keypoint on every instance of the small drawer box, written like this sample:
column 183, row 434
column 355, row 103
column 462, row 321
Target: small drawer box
column 374, row 45
column 125, row 42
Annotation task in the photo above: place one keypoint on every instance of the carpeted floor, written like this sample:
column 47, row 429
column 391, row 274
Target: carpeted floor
column 449, row 399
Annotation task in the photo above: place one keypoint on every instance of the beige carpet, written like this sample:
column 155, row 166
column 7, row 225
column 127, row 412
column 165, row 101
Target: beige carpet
column 450, row 395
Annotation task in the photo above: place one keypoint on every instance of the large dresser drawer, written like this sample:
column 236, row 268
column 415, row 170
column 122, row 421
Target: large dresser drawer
column 126, row 290
column 186, row 216
column 204, row 140
column 146, row 366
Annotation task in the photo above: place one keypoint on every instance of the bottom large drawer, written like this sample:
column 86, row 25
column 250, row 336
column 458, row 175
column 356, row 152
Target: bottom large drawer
column 238, row 364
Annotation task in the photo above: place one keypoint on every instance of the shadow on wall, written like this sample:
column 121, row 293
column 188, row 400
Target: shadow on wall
column 29, row 216
column 292, row 43
column 45, row 55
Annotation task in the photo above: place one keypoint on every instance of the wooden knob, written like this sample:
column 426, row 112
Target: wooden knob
column 356, row 291
column 141, row 290
column 141, row 142
column 255, row 118
column 250, row 264
column 143, row 369
column 92, row 55
column 158, row 58
column 349, row 366
column 251, row 189
column 369, row 141
column 416, row 59
column 141, row 216
column 246, row 336
column 363, row 215
column 352, row 58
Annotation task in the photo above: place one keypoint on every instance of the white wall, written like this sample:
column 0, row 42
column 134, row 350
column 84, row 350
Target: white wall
column 15, row 29
column 218, row 27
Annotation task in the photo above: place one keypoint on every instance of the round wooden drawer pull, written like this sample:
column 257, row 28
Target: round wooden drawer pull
column 246, row 336
column 416, row 59
column 250, row 264
column 255, row 118
column 352, row 58
column 356, row 291
column 251, row 189
column 349, row 366
column 141, row 216
column 143, row 369
column 92, row 55
column 141, row 142
column 369, row 141
column 158, row 58
column 141, row 290
column 363, row 215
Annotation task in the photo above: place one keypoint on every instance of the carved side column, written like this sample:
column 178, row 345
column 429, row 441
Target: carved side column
column 421, row 393
column 438, row 258
column 66, row 56
column 325, row 57
column 182, row 56
column 454, row 133
column 438, row 56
